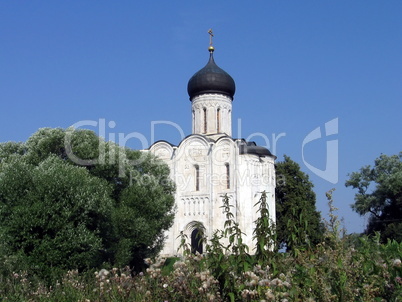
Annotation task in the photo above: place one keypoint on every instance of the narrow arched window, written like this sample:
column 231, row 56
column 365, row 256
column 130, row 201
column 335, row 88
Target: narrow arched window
column 205, row 120
column 197, row 177
column 227, row 176
column 193, row 121
column 218, row 118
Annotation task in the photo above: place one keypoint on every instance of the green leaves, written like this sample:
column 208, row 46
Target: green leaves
column 70, row 200
column 380, row 195
column 56, row 216
column 297, row 220
column 264, row 232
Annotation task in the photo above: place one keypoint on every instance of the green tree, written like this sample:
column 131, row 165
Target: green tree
column 53, row 215
column 380, row 196
column 69, row 200
column 298, row 223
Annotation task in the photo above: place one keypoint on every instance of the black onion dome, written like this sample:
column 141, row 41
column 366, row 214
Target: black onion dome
column 211, row 79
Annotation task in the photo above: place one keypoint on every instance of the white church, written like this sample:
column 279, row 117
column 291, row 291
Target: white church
column 210, row 163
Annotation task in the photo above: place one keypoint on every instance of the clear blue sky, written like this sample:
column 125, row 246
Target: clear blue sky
column 297, row 65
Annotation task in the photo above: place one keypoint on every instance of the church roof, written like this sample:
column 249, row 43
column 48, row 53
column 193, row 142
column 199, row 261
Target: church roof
column 252, row 148
column 244, row 146
column 211, row 79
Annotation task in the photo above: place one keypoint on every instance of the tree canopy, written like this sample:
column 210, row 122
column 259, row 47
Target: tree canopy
column 380, row 195
column 70, row 200
column 298, row 223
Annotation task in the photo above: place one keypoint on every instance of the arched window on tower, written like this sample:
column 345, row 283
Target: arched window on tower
column 218, row 120
column 193, row 121
column 205, row 120
column 227, row 176
column 197, row 177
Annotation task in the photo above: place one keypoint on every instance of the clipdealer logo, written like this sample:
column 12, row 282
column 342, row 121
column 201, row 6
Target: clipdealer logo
column 330, row 173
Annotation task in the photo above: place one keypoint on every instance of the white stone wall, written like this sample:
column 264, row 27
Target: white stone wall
column 255, row 175
column 249, row 176
column 211, row 103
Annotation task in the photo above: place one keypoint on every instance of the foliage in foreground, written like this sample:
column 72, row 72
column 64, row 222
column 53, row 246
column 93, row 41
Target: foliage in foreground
column 70, row 200
column 332, row 271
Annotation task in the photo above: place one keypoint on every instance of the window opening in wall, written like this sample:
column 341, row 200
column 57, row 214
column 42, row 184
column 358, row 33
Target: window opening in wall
column 218, row 117
column 197, row 177
column 227, row 176
column 205, row 120
column 193, row 121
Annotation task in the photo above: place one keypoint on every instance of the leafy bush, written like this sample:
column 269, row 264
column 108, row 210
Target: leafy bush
column 334, row 270
column 69, row 200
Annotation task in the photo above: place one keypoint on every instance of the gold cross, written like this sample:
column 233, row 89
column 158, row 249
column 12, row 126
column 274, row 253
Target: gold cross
column 210, row 36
